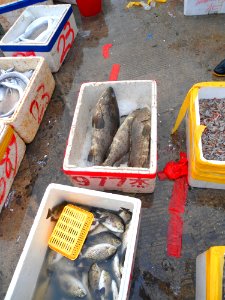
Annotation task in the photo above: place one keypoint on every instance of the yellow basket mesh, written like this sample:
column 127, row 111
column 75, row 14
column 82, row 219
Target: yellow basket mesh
column 71, row 231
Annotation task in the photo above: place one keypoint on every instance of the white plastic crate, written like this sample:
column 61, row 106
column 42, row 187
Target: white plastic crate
column 32, row 257
column 132, row 95
column 10, row 10
column 12, row 149
column 59, row 42
column 203, row 7
column 204, row 93
column 29, row 113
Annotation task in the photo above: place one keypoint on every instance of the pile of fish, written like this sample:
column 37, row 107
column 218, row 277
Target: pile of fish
column 113, row 143
column 38, row 30
column 212, row 112
column 12, row 86
column 97, row 272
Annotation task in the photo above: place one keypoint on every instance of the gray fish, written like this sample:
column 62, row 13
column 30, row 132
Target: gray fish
column 56, row 211
column 100, row 228
column 41, row 290
column 116, row 268
column 105, row 123
column 125, row 214
column 64, row 265
column 104, row 237
column 140, row 139
column 94, row 277
column 71, row 286
column 105, row 283
column 125, row 238
column 113, row 222
column 121, row 142
column 52, row 259
column 114, row 289
column 99, row 252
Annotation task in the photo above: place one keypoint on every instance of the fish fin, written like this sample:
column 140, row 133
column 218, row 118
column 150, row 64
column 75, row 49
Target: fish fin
column 91, row 155
column 49, row 213
column 98, row 121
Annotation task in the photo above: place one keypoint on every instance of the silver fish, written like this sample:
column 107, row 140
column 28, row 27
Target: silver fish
column 140, row 139
column 114, row 289
column 105, row 283
column 121, row 142
column 100, row 228
column 125, row 214
column 104, row 237
column 105, row 123
column 125, row 238
column 116, row 268
column 52, row 259
column 113, row 222
column 99, row 252
column 94, row 277
column 71, row 286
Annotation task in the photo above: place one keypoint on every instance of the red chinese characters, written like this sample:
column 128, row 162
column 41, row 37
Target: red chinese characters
column 10, row 165
column 65, row 41
column 39, row 104
column 24, row 54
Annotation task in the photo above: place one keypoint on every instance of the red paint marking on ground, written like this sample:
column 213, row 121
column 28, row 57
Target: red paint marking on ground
column 114, row 72
column 105, row 50
column 179, row 196
column 174, row 235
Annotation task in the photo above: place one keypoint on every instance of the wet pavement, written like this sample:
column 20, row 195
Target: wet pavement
column 177, row 52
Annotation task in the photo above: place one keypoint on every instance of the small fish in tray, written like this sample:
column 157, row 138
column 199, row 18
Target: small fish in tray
column 212, row 115
column 96, row 273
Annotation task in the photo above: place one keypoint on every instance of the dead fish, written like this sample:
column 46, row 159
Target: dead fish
column 116, row 268
column 56, row 211
column 105, row 123
column 94, row 277
column 125, row 214
column 71, row 286
column 64, row 265
column 125, row 238
column 41, row 290
column 114, row 289
column 52, row 259
column 104, row 237
column 113, row 222
column 99, row 252
column 121, row 142
column 140, row 139
column 100, row 228
column 105, row 284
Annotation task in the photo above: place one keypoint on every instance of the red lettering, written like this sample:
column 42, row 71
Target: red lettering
column 63, row 40
column 121, row 180
column 24, row 54
column 82, row 181
column 3, row 189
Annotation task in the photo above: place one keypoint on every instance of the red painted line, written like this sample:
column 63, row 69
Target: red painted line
column 114, row 72
column 179, row 195
column 105, row 50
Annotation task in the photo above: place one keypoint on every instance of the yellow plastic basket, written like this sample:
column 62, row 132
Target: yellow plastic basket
column 71, row 231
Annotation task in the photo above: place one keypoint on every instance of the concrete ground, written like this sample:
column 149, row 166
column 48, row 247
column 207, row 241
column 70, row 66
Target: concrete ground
column 177, row 52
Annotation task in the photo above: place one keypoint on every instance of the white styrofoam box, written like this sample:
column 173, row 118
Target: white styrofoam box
column 204, row 93
column 203, row 7
column 31, row 108
column 131, row 94
column 69, row 1
column 12, row 150
column 32, row 257
column 10, row 10
column 59, row 42
column 200, row 293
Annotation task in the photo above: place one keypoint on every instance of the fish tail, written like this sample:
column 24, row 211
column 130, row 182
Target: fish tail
column 49, row 213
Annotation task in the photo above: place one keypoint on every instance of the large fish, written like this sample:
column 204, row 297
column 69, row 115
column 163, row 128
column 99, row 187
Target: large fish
column 116, row 268
column 105, row 284
column 71, row 286
column 140, row 139
column 104, row 237
column 121, row 142
column 105, row 123
column 112, row 221
column 94, row 277
column 99, row 252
